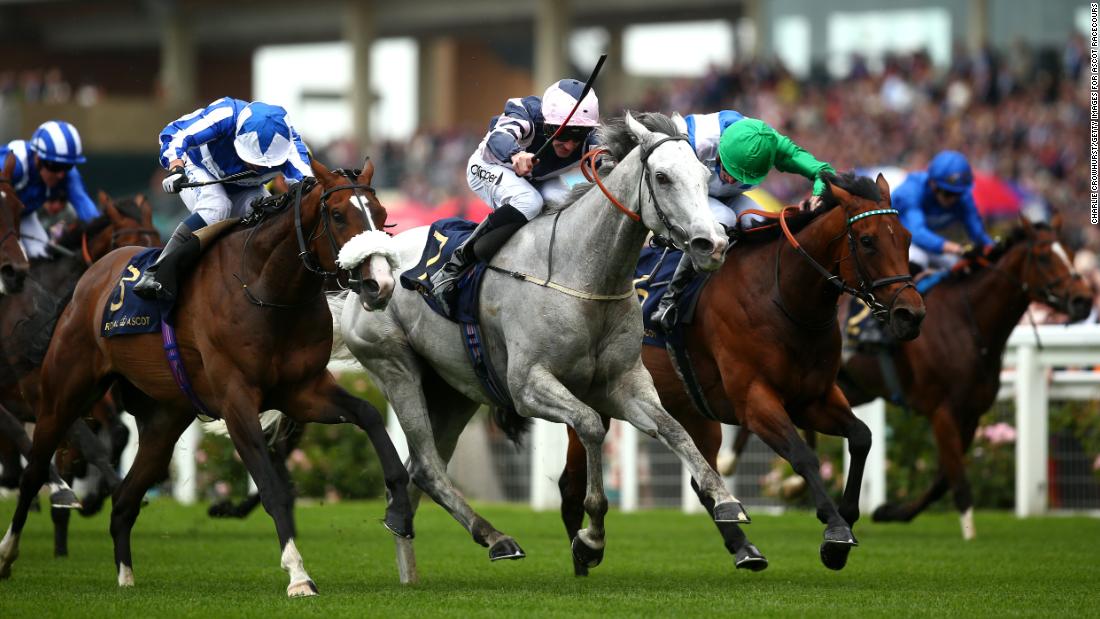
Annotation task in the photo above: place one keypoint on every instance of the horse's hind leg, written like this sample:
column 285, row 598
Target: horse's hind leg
column 156, row 439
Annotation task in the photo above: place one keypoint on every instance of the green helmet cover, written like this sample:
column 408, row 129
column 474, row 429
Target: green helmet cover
column 747, row 150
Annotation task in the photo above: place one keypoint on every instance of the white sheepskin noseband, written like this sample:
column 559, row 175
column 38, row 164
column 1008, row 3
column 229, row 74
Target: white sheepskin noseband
column 364, row 245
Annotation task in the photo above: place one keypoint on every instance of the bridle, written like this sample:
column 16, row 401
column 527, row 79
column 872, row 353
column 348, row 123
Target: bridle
column 305, row 254
column 865, row 290
column 588, row 168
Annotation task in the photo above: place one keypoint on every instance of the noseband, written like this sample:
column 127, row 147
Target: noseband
column 867, row 286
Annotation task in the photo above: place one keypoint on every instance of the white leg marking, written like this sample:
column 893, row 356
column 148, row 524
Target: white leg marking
column 300, row 583
column 406, row 561
column 9, row 550
column 125, row 575
column 727, row 464
column 967, row 520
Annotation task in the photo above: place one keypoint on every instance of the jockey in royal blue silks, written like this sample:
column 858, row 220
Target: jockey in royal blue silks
column 504, row 173
column 933, row 200
column 740, row 152
column 43, row 173
column 225, row 138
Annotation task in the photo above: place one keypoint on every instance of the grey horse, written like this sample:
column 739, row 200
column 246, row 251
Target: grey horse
column 566, row 342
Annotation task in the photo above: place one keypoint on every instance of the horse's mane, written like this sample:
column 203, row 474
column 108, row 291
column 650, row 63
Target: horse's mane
column 619, row 140
column 860, row 186
column 975, row 258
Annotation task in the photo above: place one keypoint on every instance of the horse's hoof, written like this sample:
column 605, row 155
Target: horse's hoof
column 839, row 541
column 579, row 569
column 399, row 526
column 748, row 557
column 731, row 511
column 506, row 548
column 585, row 555
column 64, row 499
column 93, row 504
column 727, row 464
column 5, row 571
column 125, row 576
column 303, row 589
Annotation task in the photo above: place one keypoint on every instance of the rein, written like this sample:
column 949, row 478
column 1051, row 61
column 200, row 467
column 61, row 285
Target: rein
column 305, row 254
column 867, row 285
column 588, row 168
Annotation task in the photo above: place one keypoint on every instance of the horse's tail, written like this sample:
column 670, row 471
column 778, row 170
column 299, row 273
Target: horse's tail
column 269, row 422
column 514, row 425
column 340, row 351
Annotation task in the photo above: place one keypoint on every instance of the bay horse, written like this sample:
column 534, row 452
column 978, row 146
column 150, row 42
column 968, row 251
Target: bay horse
column 952, row 373
column 565, row 341
column 25, row 324
column 765, row 347
column 254, row 330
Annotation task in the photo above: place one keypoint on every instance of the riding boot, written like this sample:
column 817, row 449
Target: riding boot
column 667, row 313
column 157, row 285
column 482, row 244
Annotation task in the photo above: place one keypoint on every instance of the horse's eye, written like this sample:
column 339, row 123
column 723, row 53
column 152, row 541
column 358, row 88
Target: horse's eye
column 867, row 241
column 663, row 178
column 1044, row 258
column 338, row 216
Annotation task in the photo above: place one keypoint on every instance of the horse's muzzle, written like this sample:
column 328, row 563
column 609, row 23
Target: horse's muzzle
column 707, row 252
column 905, row 322
column 1079, row 308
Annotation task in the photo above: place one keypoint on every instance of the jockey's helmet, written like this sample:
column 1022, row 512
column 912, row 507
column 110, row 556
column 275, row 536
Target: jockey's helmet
column 950, row 171
column 559, row 99
column 747, row 150
column 263, row 135
column 57, row 141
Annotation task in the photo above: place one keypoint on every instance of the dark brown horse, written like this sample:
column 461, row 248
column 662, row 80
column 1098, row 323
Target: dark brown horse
column 255, row 333
column 952, row 373
column 27, row 317
column 765, row 346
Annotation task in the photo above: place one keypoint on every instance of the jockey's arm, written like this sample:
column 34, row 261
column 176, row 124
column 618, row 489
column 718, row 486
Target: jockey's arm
column 85, row 208
column 514, row 130
column 973, row 221
column 912, row 217
column 194, row 130
column 792, row 158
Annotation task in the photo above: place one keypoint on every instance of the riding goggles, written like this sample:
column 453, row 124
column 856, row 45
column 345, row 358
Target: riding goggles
column 54, row 166
column 569, row 133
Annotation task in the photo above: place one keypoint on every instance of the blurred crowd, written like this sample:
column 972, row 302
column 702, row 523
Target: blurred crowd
column 1018, row 113
column 45, row 86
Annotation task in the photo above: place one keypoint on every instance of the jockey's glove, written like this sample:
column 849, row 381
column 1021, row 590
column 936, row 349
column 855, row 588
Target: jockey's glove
column 173, row 183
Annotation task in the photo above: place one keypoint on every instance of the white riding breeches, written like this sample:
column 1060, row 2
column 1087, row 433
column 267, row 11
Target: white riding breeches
column 927, row 260
column 218, row 202
column 33, row 236
column 729, row 212
column 498, row 185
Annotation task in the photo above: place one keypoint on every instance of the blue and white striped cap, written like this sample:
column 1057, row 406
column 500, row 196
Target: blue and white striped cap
column 263, row 135
column 57, row 140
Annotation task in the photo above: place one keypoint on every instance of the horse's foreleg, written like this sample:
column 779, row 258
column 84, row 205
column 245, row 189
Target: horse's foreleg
column 635, row 399
column 241, row 408
column 766, row 417
column 726, row 464
column 538, row 393
column 571, row 484
column 832, row 415
column 61, row 494
column 952, row 444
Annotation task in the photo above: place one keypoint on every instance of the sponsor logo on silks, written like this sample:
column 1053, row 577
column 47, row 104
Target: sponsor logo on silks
column 483, row 173
column 127, row 321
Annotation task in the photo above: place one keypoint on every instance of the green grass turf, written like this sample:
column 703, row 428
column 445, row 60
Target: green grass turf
column 658, row 563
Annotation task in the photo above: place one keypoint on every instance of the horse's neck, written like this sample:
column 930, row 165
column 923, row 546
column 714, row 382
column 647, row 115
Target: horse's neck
column 805, row 292
column 993, row 304
column 270, row 264
column 596, row 246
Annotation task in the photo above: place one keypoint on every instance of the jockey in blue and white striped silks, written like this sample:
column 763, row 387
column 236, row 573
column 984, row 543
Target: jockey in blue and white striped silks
column 43, row 173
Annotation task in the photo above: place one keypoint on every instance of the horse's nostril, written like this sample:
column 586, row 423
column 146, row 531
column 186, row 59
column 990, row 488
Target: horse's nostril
column 702, row 245
column 371, row 287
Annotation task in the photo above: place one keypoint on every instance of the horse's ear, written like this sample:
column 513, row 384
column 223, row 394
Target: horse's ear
column 146, row 210
column 637, row 128
column 112, row 212
column 1056, row 220
column 1025, row 223
column 883, row 187
column 321, row 172
column 8, row 167
column 103, row 200
column 368, row 171
column 838, row 193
